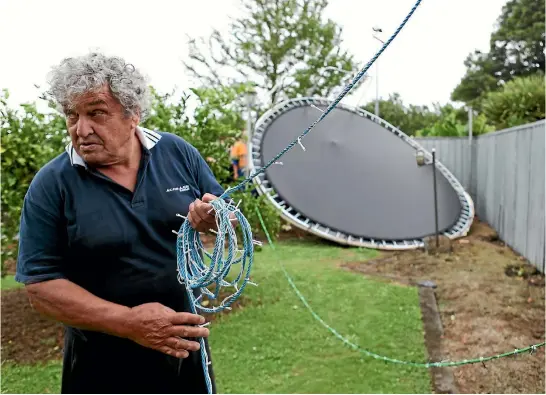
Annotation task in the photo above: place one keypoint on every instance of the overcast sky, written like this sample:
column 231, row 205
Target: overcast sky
column 424, row 63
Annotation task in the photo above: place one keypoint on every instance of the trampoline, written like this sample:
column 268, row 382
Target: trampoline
column 358, row 181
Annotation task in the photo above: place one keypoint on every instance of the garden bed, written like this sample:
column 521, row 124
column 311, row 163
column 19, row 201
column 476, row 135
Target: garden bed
column 490, row 300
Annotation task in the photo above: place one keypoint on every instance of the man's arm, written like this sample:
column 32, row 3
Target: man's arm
column 67, row 302
column 151, row 325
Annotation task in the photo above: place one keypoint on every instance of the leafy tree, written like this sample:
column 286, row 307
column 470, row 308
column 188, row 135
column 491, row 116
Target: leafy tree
column 520, row 101
column 408, row 119
column 480, row 79
column 29, row 140
column 284, row 42
column 516, row 49
column 518, row 43
column 452, row 122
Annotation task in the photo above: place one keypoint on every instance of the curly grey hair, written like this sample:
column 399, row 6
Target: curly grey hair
column 88, row 73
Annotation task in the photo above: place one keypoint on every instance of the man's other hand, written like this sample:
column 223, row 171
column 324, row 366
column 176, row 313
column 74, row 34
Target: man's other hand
column 158, row 327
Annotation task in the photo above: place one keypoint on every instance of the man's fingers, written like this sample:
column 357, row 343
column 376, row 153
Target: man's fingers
column 203, row 210
column 207, row 198
column 182, row 344
column 192, row 221
column 173, row 352
column 189, row 331
column 187, row 319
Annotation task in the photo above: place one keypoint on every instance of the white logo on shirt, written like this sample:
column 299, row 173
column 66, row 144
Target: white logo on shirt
column 179, row 189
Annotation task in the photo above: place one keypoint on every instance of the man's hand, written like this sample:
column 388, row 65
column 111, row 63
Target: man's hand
column 201, row 215
column 158, row 327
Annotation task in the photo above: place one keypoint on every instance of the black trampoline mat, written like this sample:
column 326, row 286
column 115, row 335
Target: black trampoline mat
column 355, row 176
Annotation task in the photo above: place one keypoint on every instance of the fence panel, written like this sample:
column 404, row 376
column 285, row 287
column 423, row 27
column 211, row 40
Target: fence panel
column 507, row 182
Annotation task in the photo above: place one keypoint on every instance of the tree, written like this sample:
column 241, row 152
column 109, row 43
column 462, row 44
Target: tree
column 480, row 79
column 453, row 122
column 518, row 43
column 409, row 119
column 516, row 49
column 29, row 140
column 520, row 101
column 285, row 42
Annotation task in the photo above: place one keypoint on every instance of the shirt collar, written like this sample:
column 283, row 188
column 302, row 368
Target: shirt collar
column 147, row 137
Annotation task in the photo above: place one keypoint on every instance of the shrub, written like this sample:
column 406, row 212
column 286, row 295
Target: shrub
column 29, row 140
column 520, row 101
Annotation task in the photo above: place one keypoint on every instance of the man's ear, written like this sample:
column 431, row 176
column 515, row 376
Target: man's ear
column 135, row 119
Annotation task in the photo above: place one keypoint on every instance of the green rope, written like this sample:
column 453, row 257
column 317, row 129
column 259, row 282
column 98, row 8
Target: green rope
column 531, row 349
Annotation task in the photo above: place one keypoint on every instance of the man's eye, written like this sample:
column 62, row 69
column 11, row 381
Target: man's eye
column 97, row 112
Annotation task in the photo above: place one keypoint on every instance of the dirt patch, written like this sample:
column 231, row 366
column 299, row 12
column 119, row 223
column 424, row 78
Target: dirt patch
column 28, row 337
column 490, row 300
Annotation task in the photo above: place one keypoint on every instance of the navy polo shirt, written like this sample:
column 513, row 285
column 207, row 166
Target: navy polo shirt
column 78, row 224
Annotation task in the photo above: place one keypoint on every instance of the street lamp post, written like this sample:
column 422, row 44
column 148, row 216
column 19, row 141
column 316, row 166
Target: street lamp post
column 377, row 30
column 250, row 101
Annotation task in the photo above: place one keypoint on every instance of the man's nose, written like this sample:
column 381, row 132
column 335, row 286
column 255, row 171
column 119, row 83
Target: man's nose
column 83, row 127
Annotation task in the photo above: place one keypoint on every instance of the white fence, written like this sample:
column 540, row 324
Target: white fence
column 504, row 172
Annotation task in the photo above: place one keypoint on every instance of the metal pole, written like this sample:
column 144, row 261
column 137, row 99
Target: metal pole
column 435, row 196
column 377, row 88
column 469, row 186
column 249, row 137
column 377, row 30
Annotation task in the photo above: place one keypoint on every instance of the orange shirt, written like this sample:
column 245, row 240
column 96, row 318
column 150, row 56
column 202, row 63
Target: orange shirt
column 239, row 152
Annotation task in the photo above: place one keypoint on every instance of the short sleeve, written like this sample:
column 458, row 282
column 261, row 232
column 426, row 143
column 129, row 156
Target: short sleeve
column 205, row 177
column 42, row 242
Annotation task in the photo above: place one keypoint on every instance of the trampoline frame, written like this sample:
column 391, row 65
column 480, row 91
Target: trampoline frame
column 264, row 186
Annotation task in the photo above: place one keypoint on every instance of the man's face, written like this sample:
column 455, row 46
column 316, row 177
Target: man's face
column 100, row 130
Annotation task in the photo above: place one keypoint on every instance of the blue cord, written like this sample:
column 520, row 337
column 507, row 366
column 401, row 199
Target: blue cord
column 193, row 272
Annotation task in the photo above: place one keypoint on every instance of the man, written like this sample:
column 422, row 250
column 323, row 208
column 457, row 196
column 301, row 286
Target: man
column 239, row 154
column 97, row 251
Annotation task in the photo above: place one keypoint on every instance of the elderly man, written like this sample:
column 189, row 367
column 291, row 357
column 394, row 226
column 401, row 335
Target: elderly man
column 97, row 252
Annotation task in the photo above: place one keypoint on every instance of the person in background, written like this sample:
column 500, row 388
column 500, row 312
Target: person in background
column 239, row 156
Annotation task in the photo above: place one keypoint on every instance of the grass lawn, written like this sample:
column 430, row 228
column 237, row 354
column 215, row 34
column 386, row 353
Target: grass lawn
column 274, row 345
column 8, row 282
column 36, row 379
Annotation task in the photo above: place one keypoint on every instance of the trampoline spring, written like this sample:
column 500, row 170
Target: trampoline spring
column 301, row 145
column 316, row 108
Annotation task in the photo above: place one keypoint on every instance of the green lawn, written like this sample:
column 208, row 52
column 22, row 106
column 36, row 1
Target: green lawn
column 274, row 345
column 25, row 379
column 8, row 282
